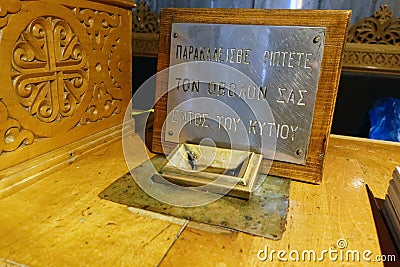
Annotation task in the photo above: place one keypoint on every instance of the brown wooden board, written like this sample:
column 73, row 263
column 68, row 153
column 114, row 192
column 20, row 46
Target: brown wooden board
column 335, row 22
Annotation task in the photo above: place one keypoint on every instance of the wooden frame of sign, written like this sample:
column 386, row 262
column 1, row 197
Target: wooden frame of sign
column 336, row 24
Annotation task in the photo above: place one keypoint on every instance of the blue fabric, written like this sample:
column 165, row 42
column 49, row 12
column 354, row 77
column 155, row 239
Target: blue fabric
column 385, row 120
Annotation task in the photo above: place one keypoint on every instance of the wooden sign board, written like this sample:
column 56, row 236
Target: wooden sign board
column 294, row 56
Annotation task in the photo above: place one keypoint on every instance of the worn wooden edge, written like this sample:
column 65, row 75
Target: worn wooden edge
column 365, row 140
column 103, row 5
column 28, row 172
column 119, row 3
column 336, row 23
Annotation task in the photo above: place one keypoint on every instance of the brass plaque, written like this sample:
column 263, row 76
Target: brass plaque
column 244, row 86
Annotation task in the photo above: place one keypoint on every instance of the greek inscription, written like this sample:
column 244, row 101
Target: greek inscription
column 287, row 59
column 184, row 84
column 189, row 117
column 295, row 97
column 217, row 54
column 228, row 123
column 244, row 91
column 282, row 131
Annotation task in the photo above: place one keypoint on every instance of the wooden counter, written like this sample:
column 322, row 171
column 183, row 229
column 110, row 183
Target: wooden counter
column 61, row 221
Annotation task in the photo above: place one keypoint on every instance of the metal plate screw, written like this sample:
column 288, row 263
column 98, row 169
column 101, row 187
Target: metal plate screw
column 317, row 39
column 175, row 35
column 170, row 133
column 299, row 152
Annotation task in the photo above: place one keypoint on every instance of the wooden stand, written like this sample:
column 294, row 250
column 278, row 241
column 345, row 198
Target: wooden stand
column 335, row 22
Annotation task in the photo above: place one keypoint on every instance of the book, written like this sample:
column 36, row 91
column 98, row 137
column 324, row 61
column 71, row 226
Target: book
column 391, row 207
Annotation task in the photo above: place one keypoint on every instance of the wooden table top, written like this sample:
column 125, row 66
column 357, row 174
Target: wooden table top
column 61, row 221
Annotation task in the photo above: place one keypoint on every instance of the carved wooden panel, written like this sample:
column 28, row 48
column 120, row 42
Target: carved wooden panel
column 145, row 20
column 373, row 43
column 65, row 73
column 145, row 26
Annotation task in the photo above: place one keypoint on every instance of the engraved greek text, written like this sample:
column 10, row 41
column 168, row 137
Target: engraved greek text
column 287, row 59
column 217, row 54
column 244, row 91
column 228, row 123
column 187, row 85
column 189, row 117
column 282, row 131
column 291, row 96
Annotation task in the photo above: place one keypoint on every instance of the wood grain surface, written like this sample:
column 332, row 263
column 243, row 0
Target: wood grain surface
column 318, row 216
column 61, row 221
column 336, row 23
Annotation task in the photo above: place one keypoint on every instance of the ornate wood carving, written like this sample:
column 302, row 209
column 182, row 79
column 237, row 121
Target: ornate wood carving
column 8, row 7
column 381, row 28
column 13, row 136
column 145, row 25
column 49, row 69
column 109, row 66
column 373, row 43
column 145, row 44
column 145, row 20
column 64, row 65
